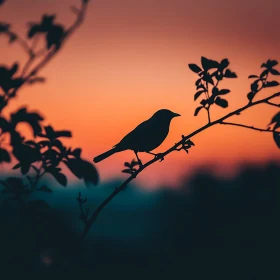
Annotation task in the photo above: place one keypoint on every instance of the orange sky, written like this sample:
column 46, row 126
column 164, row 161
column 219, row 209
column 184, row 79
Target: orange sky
column 130, row 59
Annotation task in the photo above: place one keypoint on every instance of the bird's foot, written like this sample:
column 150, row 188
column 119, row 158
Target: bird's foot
column 159, row 156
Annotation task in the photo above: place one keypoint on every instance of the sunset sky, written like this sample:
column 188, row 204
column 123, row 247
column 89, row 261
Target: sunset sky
column 130, row 58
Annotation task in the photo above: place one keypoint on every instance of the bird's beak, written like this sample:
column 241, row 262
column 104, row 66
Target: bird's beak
column 176, row 115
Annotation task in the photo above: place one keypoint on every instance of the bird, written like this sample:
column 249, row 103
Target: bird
column 145, row 137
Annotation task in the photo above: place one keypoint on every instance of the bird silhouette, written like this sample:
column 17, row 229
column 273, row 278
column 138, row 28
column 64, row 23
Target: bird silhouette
column 145, row 137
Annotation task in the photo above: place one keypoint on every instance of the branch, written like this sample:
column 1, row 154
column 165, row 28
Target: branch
column 79, row 20
column 123, row 186
column 273, row 104
column 247, row 126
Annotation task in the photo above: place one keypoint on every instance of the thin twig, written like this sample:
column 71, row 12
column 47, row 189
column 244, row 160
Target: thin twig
column 95, row 214
column 247, row 126
column 273, row 104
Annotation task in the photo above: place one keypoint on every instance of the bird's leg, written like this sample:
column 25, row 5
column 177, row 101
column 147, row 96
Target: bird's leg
column 139, row 160
column 159, row 155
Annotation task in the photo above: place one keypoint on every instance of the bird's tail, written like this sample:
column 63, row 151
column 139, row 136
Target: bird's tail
column 105, row 155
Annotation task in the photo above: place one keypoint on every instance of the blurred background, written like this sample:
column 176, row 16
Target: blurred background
column 211, row 213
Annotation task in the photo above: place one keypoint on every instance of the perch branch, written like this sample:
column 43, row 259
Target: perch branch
column 123, row 186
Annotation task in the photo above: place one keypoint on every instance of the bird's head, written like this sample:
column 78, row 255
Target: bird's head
column 165, row 114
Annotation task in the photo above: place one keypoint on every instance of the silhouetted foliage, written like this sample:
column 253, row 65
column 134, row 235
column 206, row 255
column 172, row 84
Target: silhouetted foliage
column 45, row 152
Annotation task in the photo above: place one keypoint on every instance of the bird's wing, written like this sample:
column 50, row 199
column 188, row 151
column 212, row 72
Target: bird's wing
column 138, row 137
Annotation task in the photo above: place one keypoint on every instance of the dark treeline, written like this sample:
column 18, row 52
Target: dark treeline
column 212, row 228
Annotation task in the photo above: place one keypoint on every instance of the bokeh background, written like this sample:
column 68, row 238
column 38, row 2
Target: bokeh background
column 130, row 58
column 211, row 214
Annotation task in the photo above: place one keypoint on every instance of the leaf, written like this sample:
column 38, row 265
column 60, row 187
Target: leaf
column 215, row 91
column 24, row 168
column 207, row 78
column 255, row 86
column 16, row 166
column 2, row 2
column 197, row 110
column 224, row 63
column 127, row 171
column 271, row 63
column 75, row 167
column 90, row 174
column 253, row 76
column 45, row 189
column 198, row 82
column 60, row 177
column 62, row 133
column 251, row 95
column 275, row 119
column 127, row 164
column 77, row 152
column 208, row 63
column 4, row 125
column 264, row 73
column 274, row 72
column 33, row 119
column 203, row 102
column 230, row 74
column 197, row 94
column 221, row 102
column 55, row 36
column 4, row 156
column 195, row 68
column 223, row 91
column 271, row 84
column 276, row 137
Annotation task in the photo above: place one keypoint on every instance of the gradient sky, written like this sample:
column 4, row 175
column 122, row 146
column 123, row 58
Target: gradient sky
column 130, row 59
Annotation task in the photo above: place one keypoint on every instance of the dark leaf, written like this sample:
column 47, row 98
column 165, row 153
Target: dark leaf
column 77, row 152
column 62, row 133
column 4, row 27
column 208, row 63
column 274, row 72
column 197, row 94
column 215, row 91
column 224, row 91
column 58, row 144
column 198, row 82
column 45, row 189
column 33, row 119
column 60, row 177
column 203, row 102
column 44, row 143
column 224, row 63
column 271, row 84
column 2, row 2
column 195, row 68
column 221, row 102
column 197, row 110
column 255, row 86
column 264, row 73
column 17, row 166
column 276, row 119
column 230, row 74
column 55, row 36
column 251, row 95
column 276, row 137
column 75, row 167
column 207, row 78
column 25, row 168
column 271, row 63
column 127, row 164
column 90, row 174
column 4, row 125
column 4, row 156
column 127, row 171
column 13, row 69
column 253, row 76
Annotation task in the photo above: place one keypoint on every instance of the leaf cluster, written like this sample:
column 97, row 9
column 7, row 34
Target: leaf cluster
column 211, row 72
